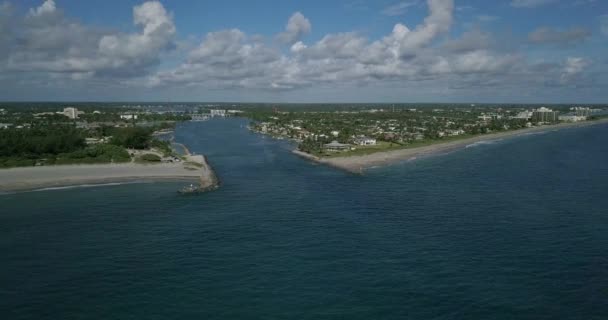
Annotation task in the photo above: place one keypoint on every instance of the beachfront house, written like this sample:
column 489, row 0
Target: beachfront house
column 365, row 141
column 336, row 146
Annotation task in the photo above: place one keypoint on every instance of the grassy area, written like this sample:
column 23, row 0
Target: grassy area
column 362, row 150
column 194, row 164
column 383, row 146
column 147, row 158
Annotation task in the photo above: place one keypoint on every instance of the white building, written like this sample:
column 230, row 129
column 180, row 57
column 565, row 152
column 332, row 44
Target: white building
column 572, row 118
column 524, row 115
column 456, row 132
column 217, row 112
column 336, row 146
column 581, row 111
column 71, row 112
column 543, row 114
column 365, row 141
column 128, row 116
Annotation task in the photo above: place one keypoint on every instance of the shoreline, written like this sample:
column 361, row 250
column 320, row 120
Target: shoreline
column 35, row 178
column 356, row 164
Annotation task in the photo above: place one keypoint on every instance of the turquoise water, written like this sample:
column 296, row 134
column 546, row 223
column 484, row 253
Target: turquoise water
column 514, row 229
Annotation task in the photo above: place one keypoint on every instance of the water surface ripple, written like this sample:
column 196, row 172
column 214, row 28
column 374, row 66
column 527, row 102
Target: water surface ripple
column 516, row 229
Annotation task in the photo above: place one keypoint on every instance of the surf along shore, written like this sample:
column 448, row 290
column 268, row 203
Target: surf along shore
column 358, row 163
column 194, row 169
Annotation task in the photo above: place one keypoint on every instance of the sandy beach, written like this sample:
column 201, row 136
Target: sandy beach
column 31, row 178
column 356, row 164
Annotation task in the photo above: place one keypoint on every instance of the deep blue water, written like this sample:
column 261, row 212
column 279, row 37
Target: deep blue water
column 516, row 229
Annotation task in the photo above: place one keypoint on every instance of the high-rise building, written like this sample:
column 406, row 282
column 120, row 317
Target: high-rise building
column 582, row 111
column 545, row 115
column 70, row 112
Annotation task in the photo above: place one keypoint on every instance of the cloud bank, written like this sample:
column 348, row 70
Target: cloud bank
column 50, row 46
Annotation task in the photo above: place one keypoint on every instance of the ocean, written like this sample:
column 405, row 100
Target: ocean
column 509, row 229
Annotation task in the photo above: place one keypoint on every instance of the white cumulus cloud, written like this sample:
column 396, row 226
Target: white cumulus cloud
column 297, row 26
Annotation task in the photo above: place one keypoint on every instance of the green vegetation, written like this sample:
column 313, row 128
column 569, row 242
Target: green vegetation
column 55, row 142
column 598, row 117
column 101, row 153
column 194, row 164
column 41, row 134
column 132, row 137
column 163, row 146
column 39, row 141
column 149, row 157
column 24, row 147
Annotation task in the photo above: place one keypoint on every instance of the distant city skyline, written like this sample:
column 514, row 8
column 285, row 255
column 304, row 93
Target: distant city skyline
column 511, row 51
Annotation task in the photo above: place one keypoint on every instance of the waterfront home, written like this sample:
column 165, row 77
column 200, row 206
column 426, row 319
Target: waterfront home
column 365, row 141
column 336, row 146
column 457, row 132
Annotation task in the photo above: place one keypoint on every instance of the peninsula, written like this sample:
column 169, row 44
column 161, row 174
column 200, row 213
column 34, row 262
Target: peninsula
column 44, row 148
column 358, row 163
column 356, row 139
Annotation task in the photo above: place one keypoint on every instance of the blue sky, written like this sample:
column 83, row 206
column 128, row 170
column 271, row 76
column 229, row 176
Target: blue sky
column 305, row 51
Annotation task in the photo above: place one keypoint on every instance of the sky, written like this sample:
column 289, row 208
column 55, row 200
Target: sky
column 499, row 51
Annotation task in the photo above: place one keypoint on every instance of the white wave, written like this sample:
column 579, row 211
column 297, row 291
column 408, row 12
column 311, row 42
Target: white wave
column 482, row 143
column 534, row 133
column 92, row 185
